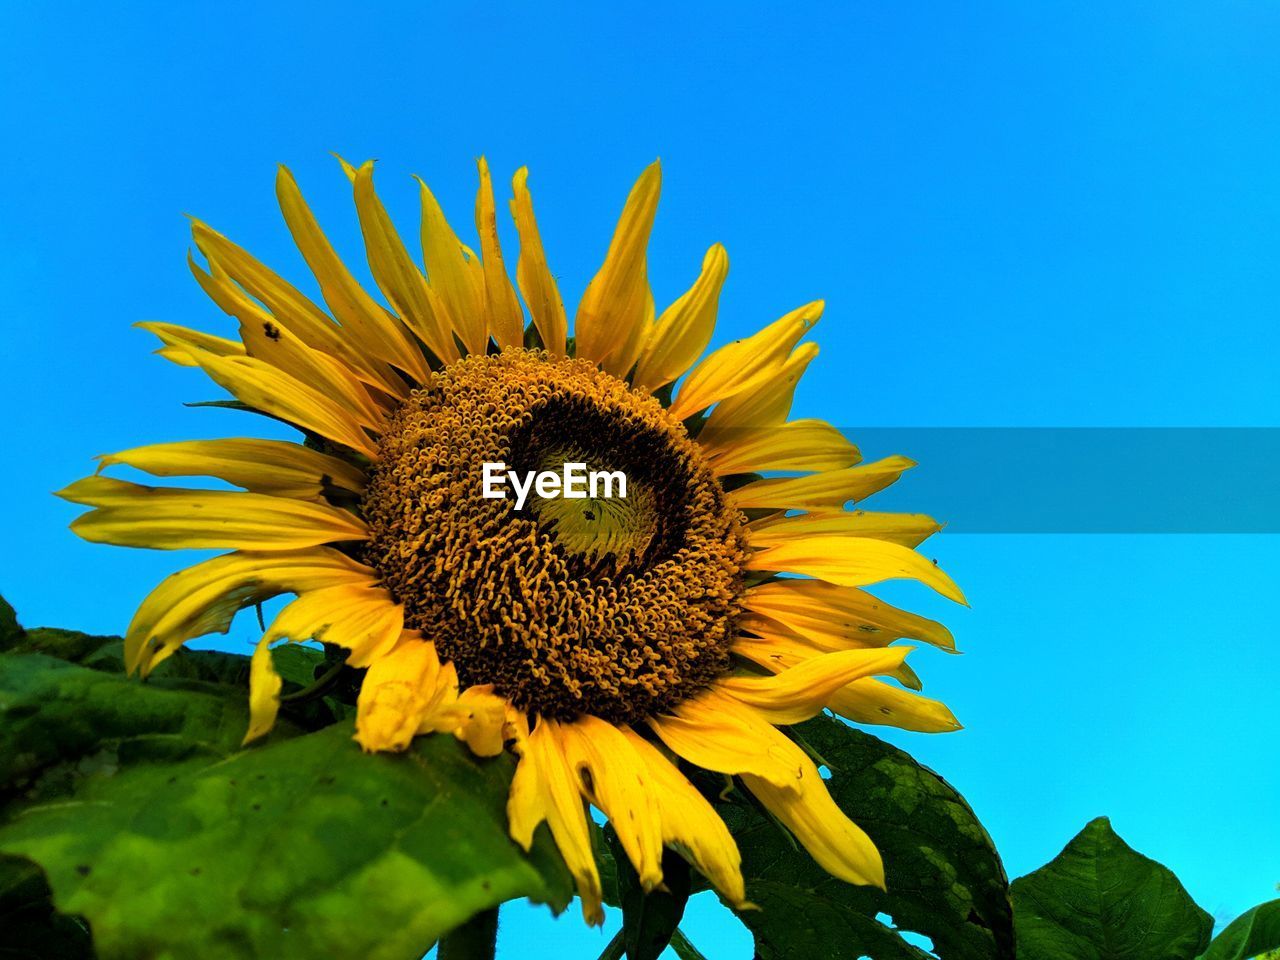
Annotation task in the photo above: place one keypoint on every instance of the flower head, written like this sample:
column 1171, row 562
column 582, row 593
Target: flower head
column 613, row 643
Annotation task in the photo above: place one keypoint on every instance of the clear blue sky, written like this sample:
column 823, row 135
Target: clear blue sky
column 1020, row 214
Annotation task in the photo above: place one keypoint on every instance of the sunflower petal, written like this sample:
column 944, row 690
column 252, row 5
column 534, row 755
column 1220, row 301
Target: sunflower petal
column 205, row 598
column 717, row 733
column 545, row 787
column 179, row 341
column 798, row 445
column 830, row 490
column 537, row 285
column 833, row 616
column 872, row 701
column 691, row 822
column 398, row 693
column 360, row 617
column 834, row 841
column 802, row 691
column 263, row 387
column 907, row 529
column 132, row 515
column 766, row 404
column 685, row 327
column 617, row 307
column 381, row 337
column 619, row 785
column 743, row 365
column 776, row 649
column 506, row 319
column 457, row 279
column 397, row 276
column 274, row 467
column 264, row 692
column 854, row 562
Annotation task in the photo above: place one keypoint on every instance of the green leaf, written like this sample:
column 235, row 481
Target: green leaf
column 33, row 929
column 944, row 877
column 170, row 841
column 1248, row 935
column 649, row 919
column 10, row 630
column 1101, row 900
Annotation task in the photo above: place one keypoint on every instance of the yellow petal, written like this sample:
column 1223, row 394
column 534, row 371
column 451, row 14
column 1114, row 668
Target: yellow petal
column 854, row 562
column 802, row 691
column 454, row 273
column 907, row 529
column 274, row 467
column 717, row 733
column 506, row 319
column 397, row 276
column 798, row 445
column 179, row 341
column 766, row 404
column 834, row 616
column 743, row 365
column 477, row 717
column 265, row 388
column 537, row 285
column 689, row 821
column 264, row 692
column 872, row 701
column 381, row 337
column 397, row 692
column 617, row 781
column 821, row 491
column 834, row 841
column 360, row 617
column 269, row 338
column 614, row 313
column 545, row 788
column 685, row 327
column 132, row 515
column 204, row 598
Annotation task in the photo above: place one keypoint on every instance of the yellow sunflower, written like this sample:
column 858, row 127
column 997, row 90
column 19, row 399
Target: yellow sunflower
column 606, row 641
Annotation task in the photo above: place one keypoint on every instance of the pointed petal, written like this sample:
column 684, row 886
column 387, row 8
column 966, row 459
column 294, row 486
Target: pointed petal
column 802, row 691
column 743, row 365
column 854, row 562
column 397, row 276
column 179, row 341
column 685, row 327
column 454, row 273
column 264, row 693
column 833, row 616
column 358, row 616
column 537, row 285
column 907, row 529
column 611, row 324
column 545, row 787
column 872, row 701
column 205, row 598
column 767, row 404
column 274, row 467
column 506, row 319
column 830, row 490
column 381, row 337
column 834, row 841
column 798, row 445
column 132, row 515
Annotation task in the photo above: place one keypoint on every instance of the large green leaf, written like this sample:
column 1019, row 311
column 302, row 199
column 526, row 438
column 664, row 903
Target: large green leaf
column 944, row 877
column 649, row 920
column 1248, row 935
column 170, row 841
column 33, row 929
column 1101, row 900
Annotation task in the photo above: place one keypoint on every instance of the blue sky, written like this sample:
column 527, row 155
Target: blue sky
column 1019, row 214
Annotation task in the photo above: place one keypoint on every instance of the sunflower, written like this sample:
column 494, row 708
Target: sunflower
column 614, row 645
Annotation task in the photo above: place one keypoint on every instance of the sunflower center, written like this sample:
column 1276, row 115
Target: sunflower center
column 619, row 607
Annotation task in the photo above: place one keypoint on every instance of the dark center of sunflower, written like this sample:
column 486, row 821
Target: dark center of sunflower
column 619, row 607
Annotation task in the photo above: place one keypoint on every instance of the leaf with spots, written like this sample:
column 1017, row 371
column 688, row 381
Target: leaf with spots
column 945, row 880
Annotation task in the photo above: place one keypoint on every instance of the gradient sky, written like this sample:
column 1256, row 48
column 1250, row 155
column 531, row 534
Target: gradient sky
column 1020, row 214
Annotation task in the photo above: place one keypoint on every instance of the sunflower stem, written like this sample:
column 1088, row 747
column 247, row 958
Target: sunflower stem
column 318, row 687
column 477, row 939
